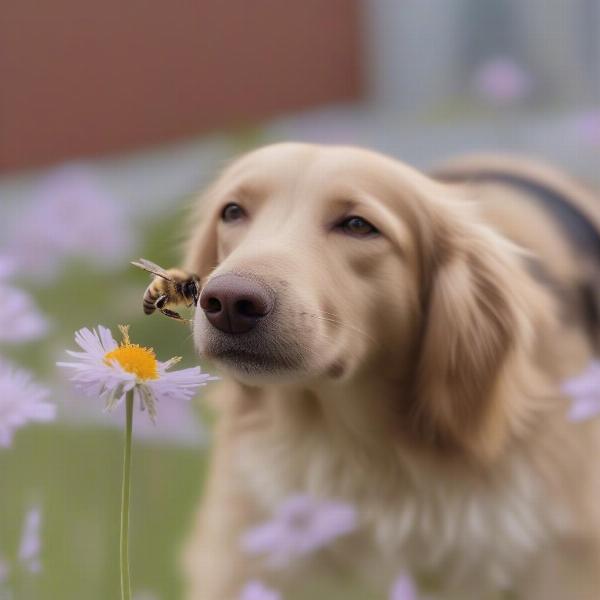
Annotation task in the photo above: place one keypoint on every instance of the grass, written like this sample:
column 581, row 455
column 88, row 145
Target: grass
column 76, row 474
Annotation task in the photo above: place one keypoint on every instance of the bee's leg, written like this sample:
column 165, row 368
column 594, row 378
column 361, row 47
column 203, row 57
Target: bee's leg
column 161, row 301
column 173, row 315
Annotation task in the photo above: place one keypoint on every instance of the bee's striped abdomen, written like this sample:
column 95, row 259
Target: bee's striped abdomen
column 149, row 303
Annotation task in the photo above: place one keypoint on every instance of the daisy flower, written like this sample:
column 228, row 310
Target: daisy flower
column 8, row 267
column 20, row 319
column 584, row 391
column 301, row 525
column 404, row 589
column 70, row 215
column 21, row 401
column 588, row 127
column 256, row 590
column 114, row 372
column 107, row 370
column 502, row 81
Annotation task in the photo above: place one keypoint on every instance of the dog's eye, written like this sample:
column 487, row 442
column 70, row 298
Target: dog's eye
column 358, row 227
column 232, row 212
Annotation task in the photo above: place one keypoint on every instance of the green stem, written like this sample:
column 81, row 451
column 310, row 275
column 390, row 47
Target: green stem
column 125, row 580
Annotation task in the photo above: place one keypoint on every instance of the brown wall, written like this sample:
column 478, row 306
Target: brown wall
column 85, row 77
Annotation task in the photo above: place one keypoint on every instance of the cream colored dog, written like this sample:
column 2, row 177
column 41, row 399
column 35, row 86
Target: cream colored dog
column 398, row 341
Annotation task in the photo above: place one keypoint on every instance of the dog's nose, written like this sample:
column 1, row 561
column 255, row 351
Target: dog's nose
column 235, row 304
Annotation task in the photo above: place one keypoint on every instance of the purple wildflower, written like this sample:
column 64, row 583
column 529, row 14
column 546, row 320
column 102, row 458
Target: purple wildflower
column 501, row 80
column 256, row 590
column 21, row 400
column 404, row 589
column 29, row 551
column 20, row 319
column 588, row 127
column 301, row 526
column 8, row 267
column 584, row 391
column 71, row 215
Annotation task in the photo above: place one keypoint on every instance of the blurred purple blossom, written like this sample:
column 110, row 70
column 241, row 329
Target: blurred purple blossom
column 404, row 588
column 21, row 401
column 588, row 127
column 300, row 526
column 8, row 267
column 584, row 391
column 29, row 550
column 256, row 590
column 20, row 319
column 70, row 216
column 501, row 80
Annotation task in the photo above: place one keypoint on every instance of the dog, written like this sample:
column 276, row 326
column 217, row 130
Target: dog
column 399, row 341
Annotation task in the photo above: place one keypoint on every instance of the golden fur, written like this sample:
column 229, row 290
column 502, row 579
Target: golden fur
column 415, row 375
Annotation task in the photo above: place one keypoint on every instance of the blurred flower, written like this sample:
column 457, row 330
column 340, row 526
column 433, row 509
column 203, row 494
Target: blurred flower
column 70, row 216
column 21, row 400
column 301, row 525
column 8, row 267
column 20, row 320
column 584, row 391
column 108, row 370
column 501, row 80
column 29, row 550
column 588, row 127
column 255, row 590
column 404, row 589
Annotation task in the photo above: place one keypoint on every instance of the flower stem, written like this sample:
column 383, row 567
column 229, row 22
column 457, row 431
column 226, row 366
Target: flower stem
column 125, row 580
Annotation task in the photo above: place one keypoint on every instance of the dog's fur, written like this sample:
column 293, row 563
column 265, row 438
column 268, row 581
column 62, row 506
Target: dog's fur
column 415, row 374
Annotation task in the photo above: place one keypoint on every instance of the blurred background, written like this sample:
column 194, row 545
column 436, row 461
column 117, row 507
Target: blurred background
column 113, row 115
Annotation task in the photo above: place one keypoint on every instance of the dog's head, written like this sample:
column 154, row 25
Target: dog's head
column 334, row 263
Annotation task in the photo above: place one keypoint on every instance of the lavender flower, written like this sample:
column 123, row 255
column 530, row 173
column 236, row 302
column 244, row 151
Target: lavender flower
column 256, row 590
column 8, row 267
column 70, row 216
column 21, row 401
column 588, row 127
column 301, row 526
column 29, row 551
column 20, row 320
column 108, row 370
column 584, row 391
column 404, row 589
column 502, row 81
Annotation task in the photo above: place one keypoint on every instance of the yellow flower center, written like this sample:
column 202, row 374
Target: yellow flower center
column 134, row 358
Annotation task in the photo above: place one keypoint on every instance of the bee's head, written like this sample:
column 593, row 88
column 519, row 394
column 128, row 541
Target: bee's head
column 191, row 290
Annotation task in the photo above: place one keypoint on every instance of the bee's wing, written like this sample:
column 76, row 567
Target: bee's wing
column 151, row 267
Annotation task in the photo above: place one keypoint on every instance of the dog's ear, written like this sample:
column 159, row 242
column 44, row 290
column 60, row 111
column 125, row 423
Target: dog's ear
column 477, row 326
column 201, row 253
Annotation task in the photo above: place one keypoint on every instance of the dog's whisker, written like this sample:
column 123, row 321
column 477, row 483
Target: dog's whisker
column 340, row 324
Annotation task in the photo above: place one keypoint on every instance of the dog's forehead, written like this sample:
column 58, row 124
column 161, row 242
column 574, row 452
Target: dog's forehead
column 290, row 165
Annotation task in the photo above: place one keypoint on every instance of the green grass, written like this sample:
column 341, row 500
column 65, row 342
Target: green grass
column 76, row 475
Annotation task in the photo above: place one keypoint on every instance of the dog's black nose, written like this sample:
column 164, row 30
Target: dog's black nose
column 235, row 304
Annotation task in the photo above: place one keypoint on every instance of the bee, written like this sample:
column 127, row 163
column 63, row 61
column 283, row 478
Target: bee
column 169, row 288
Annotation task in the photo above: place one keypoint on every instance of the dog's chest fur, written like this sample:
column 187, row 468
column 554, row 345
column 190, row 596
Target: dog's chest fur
column 453, row 527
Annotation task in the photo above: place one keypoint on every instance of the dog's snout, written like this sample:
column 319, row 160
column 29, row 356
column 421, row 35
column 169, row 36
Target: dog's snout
column 234, row 304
